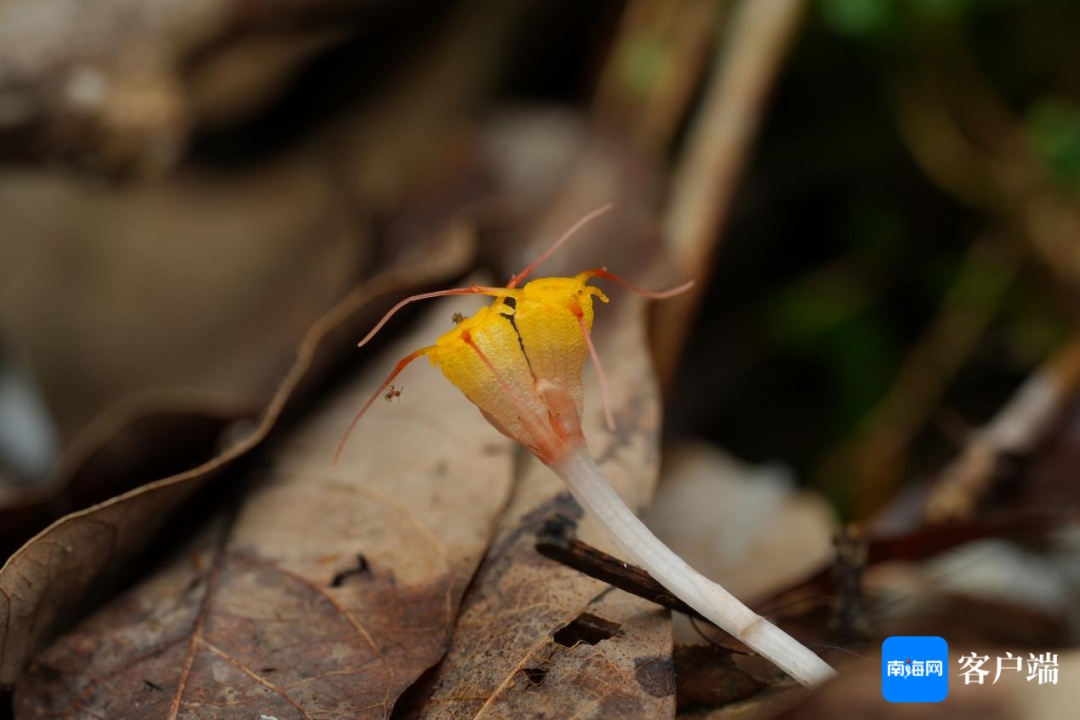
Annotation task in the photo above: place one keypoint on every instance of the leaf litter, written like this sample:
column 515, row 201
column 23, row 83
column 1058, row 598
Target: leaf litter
column 47, row 582
column 327, row 593
column 266, row 551
column 79, row 560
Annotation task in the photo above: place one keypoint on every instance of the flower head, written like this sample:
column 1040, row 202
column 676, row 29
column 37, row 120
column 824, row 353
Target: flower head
column 520, row 359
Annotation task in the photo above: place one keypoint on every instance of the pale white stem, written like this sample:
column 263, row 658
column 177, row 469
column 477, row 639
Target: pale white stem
column 589, row 486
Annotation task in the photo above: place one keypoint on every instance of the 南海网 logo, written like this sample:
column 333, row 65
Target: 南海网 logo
column 914, row 669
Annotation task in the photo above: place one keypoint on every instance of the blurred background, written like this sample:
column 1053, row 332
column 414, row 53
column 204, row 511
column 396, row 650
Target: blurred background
column 890, row 238
column 879, row 199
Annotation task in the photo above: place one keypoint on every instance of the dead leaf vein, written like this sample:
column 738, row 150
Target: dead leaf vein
column 77, row 702
column 253, row 675
column 345, row 612
column 196, row 634
column 522, row 662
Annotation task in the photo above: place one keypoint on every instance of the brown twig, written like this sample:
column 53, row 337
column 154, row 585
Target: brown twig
column 873, row 460
column 1016, row 430
column 660, row 53
column 556, row 541
column 744, row 68
column 850, row 624
column 970, row 144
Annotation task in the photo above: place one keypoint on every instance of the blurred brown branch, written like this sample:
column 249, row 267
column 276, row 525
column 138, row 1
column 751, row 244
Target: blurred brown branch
column 873, row 461
column 969, row 142
column 743, row 71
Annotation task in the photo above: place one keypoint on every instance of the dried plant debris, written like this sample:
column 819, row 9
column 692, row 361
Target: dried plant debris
column 325, row 594
column 1018, row 431
column 205, row 320
column 45, row 583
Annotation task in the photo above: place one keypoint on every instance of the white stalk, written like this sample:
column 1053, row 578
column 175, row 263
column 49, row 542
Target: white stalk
column 589, row 486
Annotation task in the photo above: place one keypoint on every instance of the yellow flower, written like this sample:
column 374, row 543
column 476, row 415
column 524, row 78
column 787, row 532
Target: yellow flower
column 524, row 373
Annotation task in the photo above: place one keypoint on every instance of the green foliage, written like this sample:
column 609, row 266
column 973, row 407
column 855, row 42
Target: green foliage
column 858, row 18
column 831, row 318
column 874, row 18
column 1053, row 128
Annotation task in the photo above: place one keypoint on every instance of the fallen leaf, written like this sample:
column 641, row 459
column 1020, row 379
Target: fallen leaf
column 133, row 443
column 327, row 593
column 706, row 676
column 232, row 274
column 46, row 582
column 205, row 320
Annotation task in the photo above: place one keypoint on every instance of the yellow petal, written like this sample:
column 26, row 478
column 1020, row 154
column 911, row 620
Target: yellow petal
column 548, row 317
column 510, row 399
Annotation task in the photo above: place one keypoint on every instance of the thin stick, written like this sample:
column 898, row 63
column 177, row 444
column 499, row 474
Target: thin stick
column 589, row 486
column 872, row 461
column 1016, row 430
column 555, row 541
column 758, row 33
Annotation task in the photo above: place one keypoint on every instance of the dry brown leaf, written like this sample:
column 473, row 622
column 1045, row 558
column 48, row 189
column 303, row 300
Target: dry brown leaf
column 538, row 639
column 133, row 443
column 189, row 296
column 706, row 676
column 178, row 285
column 328, row 593
column 43, row 584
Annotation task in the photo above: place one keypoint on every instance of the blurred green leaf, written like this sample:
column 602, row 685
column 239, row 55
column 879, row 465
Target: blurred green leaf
column 802, row 312
column 877, row 231
column 1031, row 334
column 641, row 62
column 857, row 18
column 1053, row 128
column 830, row 316
column 862, row 356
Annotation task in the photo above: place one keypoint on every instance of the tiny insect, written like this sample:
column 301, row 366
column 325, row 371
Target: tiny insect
column 457, row 318
column 392, row 392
